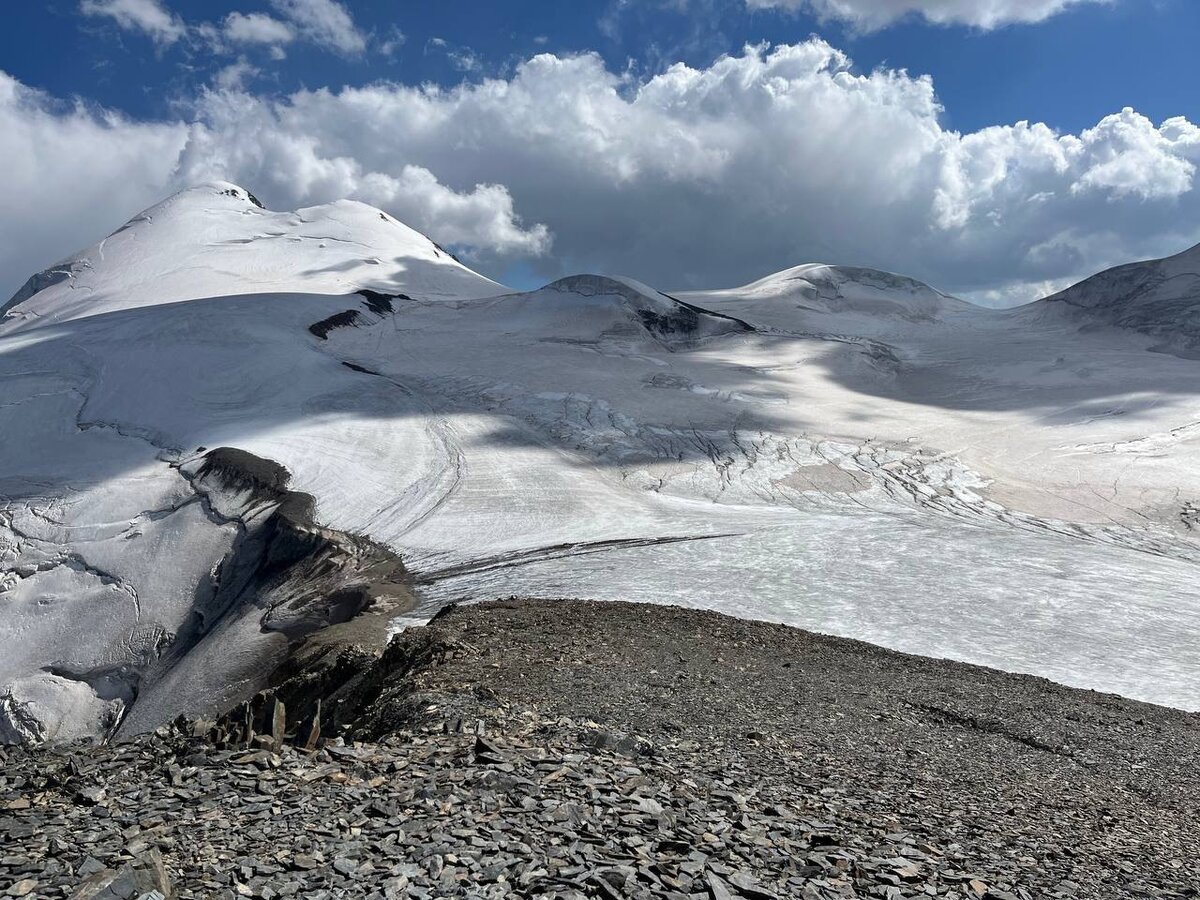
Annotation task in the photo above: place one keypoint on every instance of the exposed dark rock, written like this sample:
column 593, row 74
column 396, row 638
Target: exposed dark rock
column 376, row 302
column 678, row 321
column 239, row 470
column 345, row 319
column 380, row 303
column 89, row 795
column 144, row 878
column 445, row 252
column 285, row 579
column 738, row 324
column 239, row 193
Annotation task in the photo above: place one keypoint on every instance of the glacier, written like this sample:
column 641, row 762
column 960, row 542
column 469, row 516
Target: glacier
column 220, row 417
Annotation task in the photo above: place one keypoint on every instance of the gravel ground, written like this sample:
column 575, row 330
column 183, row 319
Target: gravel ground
column 570, row 749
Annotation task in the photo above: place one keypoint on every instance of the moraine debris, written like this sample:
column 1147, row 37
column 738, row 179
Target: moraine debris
column 566, row 750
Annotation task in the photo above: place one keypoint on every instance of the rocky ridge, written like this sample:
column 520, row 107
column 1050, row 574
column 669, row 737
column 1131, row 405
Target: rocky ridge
column 570, row 750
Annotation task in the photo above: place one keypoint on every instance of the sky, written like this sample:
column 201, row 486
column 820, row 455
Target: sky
column 997, row 149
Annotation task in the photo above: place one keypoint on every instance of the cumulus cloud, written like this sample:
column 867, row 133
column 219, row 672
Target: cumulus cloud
column 874, row 14
column 759, row 161
column 147, row 16
column 71, row 175
column 1128, row 158
column 251, row 138
column 712, row 176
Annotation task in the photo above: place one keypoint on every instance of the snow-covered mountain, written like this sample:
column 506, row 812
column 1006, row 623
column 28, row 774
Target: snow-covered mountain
column 224, row 429
column 1159, row 298
column 216, row 240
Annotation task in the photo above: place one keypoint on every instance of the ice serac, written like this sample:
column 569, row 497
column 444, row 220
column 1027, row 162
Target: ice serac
column 840, row 449
column 1159, row 298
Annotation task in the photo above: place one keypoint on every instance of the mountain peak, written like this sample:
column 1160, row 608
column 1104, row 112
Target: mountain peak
column 815, row 295
column 225, row 189
column 216, row 239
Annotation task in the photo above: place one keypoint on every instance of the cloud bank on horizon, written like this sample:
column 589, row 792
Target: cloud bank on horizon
column 872, row 14
column 690, row 177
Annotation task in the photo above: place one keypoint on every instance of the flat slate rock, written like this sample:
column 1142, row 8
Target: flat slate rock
column 576, row 750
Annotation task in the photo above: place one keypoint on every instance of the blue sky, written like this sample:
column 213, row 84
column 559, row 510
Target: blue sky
column 1067, row 71
column 152, row 77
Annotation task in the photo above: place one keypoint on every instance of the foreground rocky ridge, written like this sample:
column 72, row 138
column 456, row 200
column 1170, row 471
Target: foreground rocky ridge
column 567, row 749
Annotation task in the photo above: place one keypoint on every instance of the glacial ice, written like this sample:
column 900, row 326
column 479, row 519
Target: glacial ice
column 839, row 449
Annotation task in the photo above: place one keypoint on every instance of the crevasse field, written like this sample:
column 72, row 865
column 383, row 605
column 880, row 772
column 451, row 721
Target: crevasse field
column 839, row 449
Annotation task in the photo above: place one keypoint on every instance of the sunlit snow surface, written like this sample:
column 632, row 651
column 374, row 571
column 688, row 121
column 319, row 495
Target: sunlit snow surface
column 837, row 449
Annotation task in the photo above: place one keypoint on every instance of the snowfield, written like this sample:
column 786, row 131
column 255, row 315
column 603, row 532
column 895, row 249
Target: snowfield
column 839, row 449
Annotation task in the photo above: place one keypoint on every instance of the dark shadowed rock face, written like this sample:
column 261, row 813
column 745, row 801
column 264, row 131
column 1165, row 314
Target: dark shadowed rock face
column 345, row 319
column 376, row 302
column 284, row 579
column 238, row 470
column 381, row 303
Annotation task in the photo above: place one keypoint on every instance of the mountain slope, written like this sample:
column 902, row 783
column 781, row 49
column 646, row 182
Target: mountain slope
column 1160, row 298
column 206, row 441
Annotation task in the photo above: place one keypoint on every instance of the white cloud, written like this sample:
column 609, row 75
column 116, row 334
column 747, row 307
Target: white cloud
column 763, row 160
column 710, row 176
column 462, row 58
column 147, row 16
column 249, row 136
column 873, row 14
column 234, row 76
column 390, row 44
column 326, row 23
column 256, row 28
column 1129, row 157
column 70, row 176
